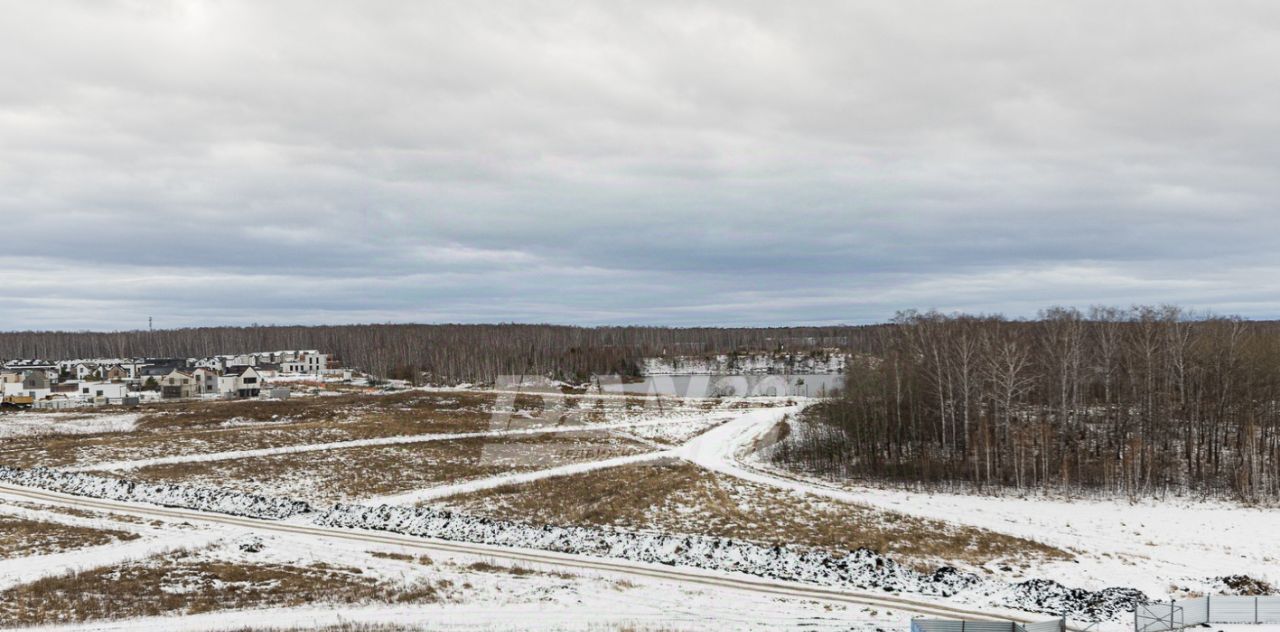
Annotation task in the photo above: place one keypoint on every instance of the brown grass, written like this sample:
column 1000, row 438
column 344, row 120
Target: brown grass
column 187, row 428
column 174, row 429
column 22, row 537
column 403, row 557
column 194, row 586
column 682, row 498
column 354, row 473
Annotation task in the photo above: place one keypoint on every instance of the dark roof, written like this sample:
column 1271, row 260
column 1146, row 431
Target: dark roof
column 173, row 363
column 238, row 370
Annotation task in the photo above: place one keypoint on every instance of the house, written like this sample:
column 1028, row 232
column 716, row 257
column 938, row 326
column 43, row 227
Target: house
column 101, row 392
column 309, row 362
column 244, row 359
column 113, row 373
column 177, row 384
column 147, row 373
column 216, row 363
column 35, row 384
column 24, row 366
column 84, row 370
column 240, row 381
column 35, row 380
column 131, row 369
column 206, row 380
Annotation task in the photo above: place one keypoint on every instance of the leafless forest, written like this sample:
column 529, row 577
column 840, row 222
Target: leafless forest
column 1146, row 401
column 446, row 353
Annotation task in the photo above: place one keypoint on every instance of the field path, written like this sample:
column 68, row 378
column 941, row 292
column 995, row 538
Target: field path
column 362, row 443
column 466, row 487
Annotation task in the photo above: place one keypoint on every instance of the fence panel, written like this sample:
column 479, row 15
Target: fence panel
column 1195, row 611
column 988, row 626
column 947, row 625
column 1057, row 625
column 1158, row 617
column 937, row 625
column 1232, row 610
column 1268, row 609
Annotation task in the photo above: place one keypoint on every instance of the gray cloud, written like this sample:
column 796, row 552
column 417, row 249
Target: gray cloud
column 679, row 163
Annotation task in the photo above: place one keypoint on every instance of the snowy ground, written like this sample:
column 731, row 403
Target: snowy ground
column 1162, row 548
column 31, row 424
column 476, row 592
column 1172, row 548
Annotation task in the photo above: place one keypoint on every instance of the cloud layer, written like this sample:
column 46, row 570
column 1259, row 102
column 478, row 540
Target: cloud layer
column 652, row 162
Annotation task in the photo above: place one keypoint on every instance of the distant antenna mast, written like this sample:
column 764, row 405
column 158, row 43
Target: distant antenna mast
column 149, row 327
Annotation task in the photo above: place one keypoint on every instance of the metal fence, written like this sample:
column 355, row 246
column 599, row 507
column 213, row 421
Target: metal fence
column 1176, row 615
column 957, row 625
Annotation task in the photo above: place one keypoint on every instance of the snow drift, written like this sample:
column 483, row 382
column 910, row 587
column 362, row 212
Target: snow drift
column 181, row 496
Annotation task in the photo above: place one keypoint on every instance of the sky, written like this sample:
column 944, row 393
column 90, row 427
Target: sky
column 676, row 163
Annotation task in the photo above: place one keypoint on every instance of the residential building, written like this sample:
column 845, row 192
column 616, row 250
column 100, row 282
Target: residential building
column 240, row 381
column 101, row 392
column 177, row 384
column 206, row 380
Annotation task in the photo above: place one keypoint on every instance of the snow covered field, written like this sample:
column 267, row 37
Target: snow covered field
column 1161, row 549
column 32, row 424
column 1166, row 548
column 467, row 591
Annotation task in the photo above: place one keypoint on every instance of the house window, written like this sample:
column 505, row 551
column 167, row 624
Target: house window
column 250, row 380
column 84, row 390
column 99, row 393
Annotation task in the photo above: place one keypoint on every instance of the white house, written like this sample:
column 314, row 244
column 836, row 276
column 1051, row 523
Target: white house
column 177, row 384
column 206, row 380
column 100, row 392
column 35, row 384
column 217, row 363
column 310, row 362
column 240, row 381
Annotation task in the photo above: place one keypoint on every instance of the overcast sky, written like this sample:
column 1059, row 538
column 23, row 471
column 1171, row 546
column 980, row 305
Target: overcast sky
column 659, row 163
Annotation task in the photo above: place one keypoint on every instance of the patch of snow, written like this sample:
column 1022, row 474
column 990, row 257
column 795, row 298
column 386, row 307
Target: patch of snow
column 29, row 424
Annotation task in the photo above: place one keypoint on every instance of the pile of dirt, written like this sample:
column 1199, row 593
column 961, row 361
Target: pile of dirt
column 1051, row 597
column 166, row 495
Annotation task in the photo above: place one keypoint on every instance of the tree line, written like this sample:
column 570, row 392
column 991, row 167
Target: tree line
column 1141, row 401
column 443, row 353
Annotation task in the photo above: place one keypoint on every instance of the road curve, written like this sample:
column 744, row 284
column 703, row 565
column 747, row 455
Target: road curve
column 654, row 571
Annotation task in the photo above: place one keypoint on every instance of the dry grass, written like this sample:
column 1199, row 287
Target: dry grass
column 188, row 428
column 182, row 583
column 403, row 557
column 682, row 498
column 22, row 537
column 355, row 473
column 202, row 427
